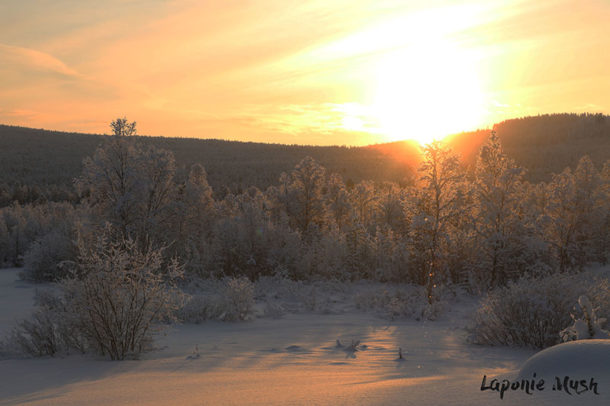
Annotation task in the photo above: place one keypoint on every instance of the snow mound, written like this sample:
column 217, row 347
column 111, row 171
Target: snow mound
column 574, row 358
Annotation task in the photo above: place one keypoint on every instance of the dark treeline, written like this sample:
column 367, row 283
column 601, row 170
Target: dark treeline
column 544, row 144
column 40, row 165
column 479, row 226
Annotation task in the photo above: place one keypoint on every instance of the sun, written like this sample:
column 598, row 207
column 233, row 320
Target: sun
column 427, row 91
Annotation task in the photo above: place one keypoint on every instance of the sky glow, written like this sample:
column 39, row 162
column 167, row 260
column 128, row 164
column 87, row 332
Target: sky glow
column 316, row 72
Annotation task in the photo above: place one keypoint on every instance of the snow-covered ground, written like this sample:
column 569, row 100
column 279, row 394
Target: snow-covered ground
column 295, row 360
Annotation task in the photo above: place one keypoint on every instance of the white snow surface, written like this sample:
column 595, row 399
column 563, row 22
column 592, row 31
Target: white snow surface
column 295, row 360
column 576, row 358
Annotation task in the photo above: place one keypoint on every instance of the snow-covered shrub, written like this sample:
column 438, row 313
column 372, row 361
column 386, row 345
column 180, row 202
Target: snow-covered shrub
column 51, row 329
column 409, row 301
column 199, row 308
column 589, row 326
column 273, row 310
column 532, row 312
column 231, row 299
column 315, row 300
column 42, row 262
column 37, row 336
column 301, row 296
column 118, row 294
column 239, row 299
column 23, row 225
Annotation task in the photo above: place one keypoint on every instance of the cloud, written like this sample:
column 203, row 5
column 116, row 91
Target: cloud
column 18, row 58
column 285, row 71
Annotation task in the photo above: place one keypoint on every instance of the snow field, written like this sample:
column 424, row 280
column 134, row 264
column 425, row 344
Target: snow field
column 293, row 360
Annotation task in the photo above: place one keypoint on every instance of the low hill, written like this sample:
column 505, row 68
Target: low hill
column 544, row 144
column 37, row 162
column 34, row 161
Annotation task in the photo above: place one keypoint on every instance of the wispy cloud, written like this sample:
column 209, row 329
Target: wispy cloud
column 19, row 58
column 288, row 71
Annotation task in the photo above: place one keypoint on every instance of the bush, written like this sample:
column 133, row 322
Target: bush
column 199, row 308
column 589, row 326
column 21, row 226
column 42, row 262
column 532, row 312
column 112, row 303
column 234, row 303
column 50, row 330
column 409, row 301
column 239, row 299
column 118, row 294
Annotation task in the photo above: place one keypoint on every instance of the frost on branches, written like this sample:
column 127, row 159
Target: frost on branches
column 589, row 326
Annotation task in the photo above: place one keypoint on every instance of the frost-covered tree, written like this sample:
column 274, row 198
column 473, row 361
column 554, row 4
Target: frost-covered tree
column 391, row 207
column 337, row 200
column 17, row 239
column 245, row 242
column 438, row 204
column 192, row 218
column 22, row 226
column 129, row 185
column 390, row 256
column 575, row 207
column 363, row 200
column 602, row 231
column 497, row 223
column 303, row 194
column 359, row 259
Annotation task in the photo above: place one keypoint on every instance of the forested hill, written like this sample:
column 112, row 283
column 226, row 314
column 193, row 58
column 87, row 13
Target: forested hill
column 34, row 162
column 38, row 161
column 544, row 144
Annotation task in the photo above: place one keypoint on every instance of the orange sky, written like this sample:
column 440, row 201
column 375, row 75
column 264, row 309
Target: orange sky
column 306, row 72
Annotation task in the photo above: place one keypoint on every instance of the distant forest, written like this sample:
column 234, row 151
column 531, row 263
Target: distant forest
column 39, row 165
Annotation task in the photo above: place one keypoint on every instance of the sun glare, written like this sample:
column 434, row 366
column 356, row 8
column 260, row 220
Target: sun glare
column 426, row 92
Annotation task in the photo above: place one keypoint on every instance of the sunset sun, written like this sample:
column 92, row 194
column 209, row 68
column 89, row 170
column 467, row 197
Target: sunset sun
column 426, row 92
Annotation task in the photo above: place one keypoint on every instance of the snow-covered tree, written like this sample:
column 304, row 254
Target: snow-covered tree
column 497, row 224
column 304, row 195
column 193, row 214
column 21, row 226
column 129, row 185
column 337, row 200
column 602, row 231
column 363, row 200
column 359, row 259
column 575, row 207
column 438, row 204
column 391, row 210
column 390, row 255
